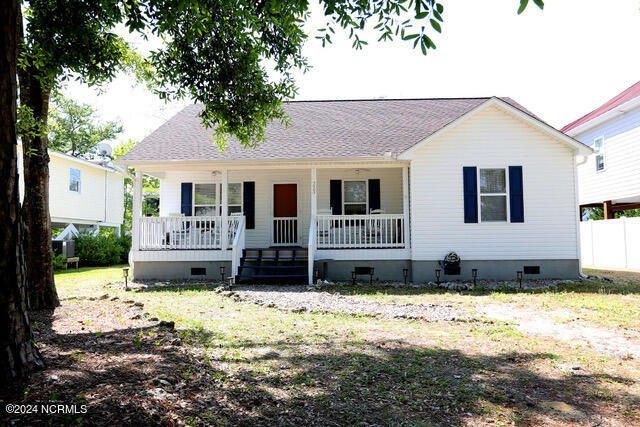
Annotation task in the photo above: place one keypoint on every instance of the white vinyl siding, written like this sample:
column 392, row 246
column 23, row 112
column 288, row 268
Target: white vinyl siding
column 620, row 178
column 497, row 139
column 91, row 205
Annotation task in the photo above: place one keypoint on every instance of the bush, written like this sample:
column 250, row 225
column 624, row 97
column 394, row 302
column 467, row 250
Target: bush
column 102, row 250
column 59, row 261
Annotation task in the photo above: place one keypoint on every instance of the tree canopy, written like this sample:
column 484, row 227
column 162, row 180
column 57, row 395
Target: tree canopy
column 74, row 129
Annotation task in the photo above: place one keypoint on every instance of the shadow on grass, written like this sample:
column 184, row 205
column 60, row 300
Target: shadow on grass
column 140, row 376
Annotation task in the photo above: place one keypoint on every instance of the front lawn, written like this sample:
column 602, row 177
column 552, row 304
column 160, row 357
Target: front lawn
column 236, row 362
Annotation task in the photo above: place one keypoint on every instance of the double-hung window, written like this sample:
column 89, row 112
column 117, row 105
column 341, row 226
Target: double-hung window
column 234, row 198
column 493, row 195
column 598, row 146
column 204, row 199
column 74, row 180
column 355, row 197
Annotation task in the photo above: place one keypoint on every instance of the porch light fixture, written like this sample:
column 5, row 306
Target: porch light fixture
column 438, row 276
column 474, row 274
column 222, row 273
column 125, row 273
column 519, row 276
column 353, row 277
column 405, row 274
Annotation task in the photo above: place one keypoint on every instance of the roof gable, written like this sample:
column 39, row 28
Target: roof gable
column 520, row 113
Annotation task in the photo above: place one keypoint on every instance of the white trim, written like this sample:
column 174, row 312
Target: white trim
column 544, row 127
column 604, row 117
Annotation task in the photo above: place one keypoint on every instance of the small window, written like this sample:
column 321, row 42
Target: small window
column 74, row 180
column 204, row 199
column 198, row 271
column 598, row 147
column 493, row 195
column 234, row 198
column 355, row 197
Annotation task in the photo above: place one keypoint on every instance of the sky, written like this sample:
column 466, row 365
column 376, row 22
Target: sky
column 560, row 63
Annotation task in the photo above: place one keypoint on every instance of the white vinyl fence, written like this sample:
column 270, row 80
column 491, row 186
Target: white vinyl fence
column 612, row 243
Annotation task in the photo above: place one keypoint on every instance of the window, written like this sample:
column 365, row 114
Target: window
column 493, row 195
column 74, row 180
column 234, row 198
column 355, row 197
column 204, row 199
column 598, row 146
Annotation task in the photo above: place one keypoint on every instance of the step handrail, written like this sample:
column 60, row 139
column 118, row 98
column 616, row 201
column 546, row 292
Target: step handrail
column 237, row 247
column 311, row 247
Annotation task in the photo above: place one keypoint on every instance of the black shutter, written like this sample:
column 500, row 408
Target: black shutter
column 470, row 180
column 249, row 204
column 186, row 198
column 335, row 196
column 374, row 194
column 516, row 194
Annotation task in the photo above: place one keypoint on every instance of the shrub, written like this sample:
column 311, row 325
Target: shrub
column 100, row 250
column 59, row 261
column 125, row 245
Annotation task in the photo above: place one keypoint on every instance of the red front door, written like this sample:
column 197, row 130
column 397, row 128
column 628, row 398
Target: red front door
column 285, row 214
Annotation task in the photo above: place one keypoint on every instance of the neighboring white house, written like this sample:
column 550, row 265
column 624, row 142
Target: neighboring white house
column 610, row 178
column 82, row 193
column 390, row 184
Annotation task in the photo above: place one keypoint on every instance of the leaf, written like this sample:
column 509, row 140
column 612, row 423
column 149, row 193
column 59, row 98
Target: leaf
column 523, row 6
column 436, row 25
column 539, row 3
column 422, row 15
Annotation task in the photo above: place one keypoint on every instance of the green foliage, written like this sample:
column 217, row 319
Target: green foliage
column 73, row 127
column 596, row 214
column 150, row 190
column 236, row 57
column 103, row 249
column 59, row 261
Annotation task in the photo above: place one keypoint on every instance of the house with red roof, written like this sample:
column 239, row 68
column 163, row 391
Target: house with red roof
column 610, row 178
column 386, row 187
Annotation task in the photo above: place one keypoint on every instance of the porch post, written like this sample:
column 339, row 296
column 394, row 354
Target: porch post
column 314, row 192
column 136, row 212
column 224, row 239
column 405, row 206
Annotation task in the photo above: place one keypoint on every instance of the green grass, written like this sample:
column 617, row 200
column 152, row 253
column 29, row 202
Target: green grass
column 306, row 367
column 86, row 281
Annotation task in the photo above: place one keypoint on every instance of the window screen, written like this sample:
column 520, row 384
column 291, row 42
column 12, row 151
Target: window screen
column 493, row 195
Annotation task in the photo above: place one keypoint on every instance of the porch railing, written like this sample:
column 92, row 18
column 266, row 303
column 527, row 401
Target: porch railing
column 285, row 230
column 376, row 231
column 189, row 232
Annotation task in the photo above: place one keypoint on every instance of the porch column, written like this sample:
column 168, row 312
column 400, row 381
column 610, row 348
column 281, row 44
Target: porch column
column 314, row 192
column 608, row 210
column 405, row 206
column 224, row 239
column 136, row 212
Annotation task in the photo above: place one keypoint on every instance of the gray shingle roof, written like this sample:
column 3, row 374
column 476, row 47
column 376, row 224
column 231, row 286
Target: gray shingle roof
column 318, row 129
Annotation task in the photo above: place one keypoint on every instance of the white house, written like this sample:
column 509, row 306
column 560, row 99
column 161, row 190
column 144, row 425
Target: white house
column 390, row 184
column 82, row 193
column 610, row 178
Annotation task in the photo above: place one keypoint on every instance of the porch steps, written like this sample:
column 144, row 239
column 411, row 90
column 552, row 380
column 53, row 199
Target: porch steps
column 273, row 265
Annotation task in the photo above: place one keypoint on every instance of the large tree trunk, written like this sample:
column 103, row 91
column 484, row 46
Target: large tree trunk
column 18, row 354
column 35, row 94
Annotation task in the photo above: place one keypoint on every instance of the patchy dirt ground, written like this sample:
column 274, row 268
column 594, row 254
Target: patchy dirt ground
column 235, row 360
column 566, row 325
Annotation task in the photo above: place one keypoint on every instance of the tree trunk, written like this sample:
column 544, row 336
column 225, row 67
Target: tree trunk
column 35, row 94
column 18, row 354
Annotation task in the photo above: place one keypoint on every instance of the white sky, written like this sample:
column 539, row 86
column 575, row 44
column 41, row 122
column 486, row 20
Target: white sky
column 559, row 63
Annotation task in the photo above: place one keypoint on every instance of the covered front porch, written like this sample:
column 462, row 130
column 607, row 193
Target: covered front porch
column 355, row 211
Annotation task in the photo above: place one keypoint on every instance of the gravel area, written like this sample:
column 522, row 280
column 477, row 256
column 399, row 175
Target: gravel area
column 299, row 299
